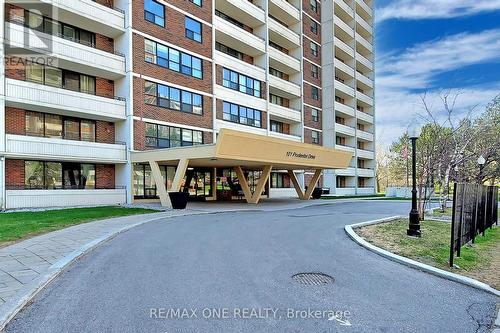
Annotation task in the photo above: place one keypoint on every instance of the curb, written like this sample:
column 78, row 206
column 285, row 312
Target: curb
column 32, row 289
column 349, row 229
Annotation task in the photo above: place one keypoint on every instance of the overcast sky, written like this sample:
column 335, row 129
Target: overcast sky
column 431, row 46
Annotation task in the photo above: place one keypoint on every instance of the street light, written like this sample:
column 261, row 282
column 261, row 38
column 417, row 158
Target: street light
column 481, row 161
column 414, row 227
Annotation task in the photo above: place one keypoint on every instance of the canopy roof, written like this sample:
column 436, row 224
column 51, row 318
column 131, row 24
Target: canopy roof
column 251, row 151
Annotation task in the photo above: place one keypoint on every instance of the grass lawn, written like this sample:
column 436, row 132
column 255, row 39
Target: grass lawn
column 479, row 261
column 352, row 196
column 20, row 225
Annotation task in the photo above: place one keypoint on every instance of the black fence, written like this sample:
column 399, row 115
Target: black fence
column 475, row 209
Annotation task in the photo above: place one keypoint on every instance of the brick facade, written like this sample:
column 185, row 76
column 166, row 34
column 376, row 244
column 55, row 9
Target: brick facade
column 105, row 176
column 14, row 174
column 308, row 121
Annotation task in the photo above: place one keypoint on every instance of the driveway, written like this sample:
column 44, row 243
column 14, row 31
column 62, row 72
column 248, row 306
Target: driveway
column 232, row 272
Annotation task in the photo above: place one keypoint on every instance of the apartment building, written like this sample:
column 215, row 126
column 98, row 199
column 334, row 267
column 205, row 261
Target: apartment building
column 87, row 84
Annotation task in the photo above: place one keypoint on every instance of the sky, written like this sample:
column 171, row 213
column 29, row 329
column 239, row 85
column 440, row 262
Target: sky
column 432, row 47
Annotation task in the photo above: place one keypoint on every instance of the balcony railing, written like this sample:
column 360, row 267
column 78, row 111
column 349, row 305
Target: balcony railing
column 44, row 98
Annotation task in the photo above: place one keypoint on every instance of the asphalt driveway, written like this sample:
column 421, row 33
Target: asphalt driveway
column 232, row 272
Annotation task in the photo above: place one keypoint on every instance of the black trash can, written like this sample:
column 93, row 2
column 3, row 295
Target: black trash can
column 317, row 192
column 178, row 199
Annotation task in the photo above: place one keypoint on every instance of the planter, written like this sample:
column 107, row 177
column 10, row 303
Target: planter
column 178, row 199
column 317, row 192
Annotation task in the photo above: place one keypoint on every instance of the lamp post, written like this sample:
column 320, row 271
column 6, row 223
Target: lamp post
column 481, row 161
column 414, row 227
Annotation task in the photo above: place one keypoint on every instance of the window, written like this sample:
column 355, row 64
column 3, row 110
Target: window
column 55, row 126
column 314, row 49
column 59, row 29
column 315, row 115
column 229, row 19
column 227, row 50
column 277, row 100
column 154, row 12
column 340, row 140
column 172, row 98
column 60, row 78
column 242, row 115
column 340, row 120
column 315, row 137
column 314, row 27
column 240, row 82
column 315, row 93
column 56, row 175
column 197, row 2
column 279, row 180
column 314, row 5
column 161, row 136
column 193, row 29
column 144, row 185
column 341, row 182
column 339, row 100
column 33, row 174
column 314, row 71
column 172, row 59
column 34, row 123
column 278, row 73
column 277, row 126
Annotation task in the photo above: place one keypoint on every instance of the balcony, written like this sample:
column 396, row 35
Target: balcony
column 70, row 55
column 365, row 25
column 365, row 135
column 345, row 109
column 37, row 97
column 16, row 199
column 349, row 172
column 345, row 7
column 364, row 98
column 238, row 38
column 345, row 191
column 343, row 26
column 283, row 62
column 344, row 47
column 20, row 146
column 366, row 190
column 363, row 153
column 240, row 66
column 243, row 11
column 284, row 11
column 365, row 7
column 364, row 61
column 283, row 88
column 237, row 97
column 282, row 35
column 364, row 117
column 344, row 88
column 285, row 113
column 343, row 129
column 364, row 79
column 90, row 15
column 369, row 173
column 345, row 148
column 290, row 137
column 366, row 44
column 344, row 67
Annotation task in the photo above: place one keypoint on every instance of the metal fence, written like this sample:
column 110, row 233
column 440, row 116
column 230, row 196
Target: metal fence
column 475, row 209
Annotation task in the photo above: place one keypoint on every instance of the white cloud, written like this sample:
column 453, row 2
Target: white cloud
column 417, row 65
column 399, row 75
column 433, row 9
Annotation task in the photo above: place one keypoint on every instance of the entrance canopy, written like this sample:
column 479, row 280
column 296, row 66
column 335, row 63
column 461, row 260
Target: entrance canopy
column 240, row 150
